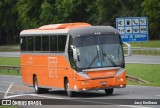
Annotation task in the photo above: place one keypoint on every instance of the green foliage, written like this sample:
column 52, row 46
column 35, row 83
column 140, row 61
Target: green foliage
column 29, row 13
column 8, row 17
column 47, row 13
column 16, row 15
column 151, row 8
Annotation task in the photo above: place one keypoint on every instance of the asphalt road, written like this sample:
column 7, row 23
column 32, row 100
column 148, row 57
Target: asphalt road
column 11, row 87
column 9, row 54
column 93, row 98
column 142, row 59
column 131, row 59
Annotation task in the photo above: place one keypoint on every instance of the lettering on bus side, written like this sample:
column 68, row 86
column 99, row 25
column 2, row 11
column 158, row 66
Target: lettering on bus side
column 52, row 67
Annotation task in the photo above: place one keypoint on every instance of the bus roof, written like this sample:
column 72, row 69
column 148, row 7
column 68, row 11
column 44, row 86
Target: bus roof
column 92, row 30
column 74, row 29
column 54, row 29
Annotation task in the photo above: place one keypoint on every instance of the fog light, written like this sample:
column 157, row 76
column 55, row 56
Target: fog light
column 82, row 82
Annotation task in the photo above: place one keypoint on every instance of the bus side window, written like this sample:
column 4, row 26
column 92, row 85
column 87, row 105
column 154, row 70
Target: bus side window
column 37, row 43
column 62, row 42
column 45, row 43
column 53, row 43
column 30, row 43
column 23, row 43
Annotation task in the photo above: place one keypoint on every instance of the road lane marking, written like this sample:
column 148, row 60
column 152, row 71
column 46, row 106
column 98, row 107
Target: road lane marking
column 5, row 92
column 5, row 95
column 51, row 97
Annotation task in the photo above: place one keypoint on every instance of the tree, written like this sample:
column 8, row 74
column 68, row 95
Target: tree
column 47, row 13
column 72, row 10
column 8, row 16
column 151, row 8
column 29, row 13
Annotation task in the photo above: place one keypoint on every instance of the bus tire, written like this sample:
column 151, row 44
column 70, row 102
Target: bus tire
column 69, row 93
column 109, row 91
column 36, row 88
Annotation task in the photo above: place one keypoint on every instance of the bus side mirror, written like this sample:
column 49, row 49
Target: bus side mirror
column 74, row 52
column 129, row 49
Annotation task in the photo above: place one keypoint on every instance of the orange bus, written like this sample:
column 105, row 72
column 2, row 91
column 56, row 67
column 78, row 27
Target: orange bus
column 73, row 57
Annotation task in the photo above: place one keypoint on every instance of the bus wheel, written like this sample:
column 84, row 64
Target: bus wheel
column 69, row 93
column 109, row 91
column 36, row 88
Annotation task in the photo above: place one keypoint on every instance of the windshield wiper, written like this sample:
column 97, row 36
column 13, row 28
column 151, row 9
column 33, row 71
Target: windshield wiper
column 98, row 52
column 110, row 60
column 93, row 60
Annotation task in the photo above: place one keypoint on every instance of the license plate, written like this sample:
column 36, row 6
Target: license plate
column 103, row 83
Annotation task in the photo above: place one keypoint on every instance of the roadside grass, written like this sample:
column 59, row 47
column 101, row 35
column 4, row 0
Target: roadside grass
column 9, row 61
column 8, row 107
column 148, row 72
column 153, row 43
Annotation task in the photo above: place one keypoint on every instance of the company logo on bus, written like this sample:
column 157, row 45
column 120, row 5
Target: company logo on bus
column 110, row 73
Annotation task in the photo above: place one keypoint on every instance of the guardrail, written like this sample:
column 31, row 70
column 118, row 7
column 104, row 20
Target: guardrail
column 18, row 68
column 143, row 50
column 134, row 79
column 9, row 49
column 8, row 68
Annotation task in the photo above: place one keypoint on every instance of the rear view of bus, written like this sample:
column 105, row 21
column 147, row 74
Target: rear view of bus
column 98, row 58
column 92, row 58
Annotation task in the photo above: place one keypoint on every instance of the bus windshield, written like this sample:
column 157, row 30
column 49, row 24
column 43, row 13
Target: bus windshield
column 99, row 51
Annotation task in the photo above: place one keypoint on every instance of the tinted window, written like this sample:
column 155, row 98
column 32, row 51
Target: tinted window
column 109, row 39
column 37, row 43
column 23, row 43
column 61, row 42
column 53, row 43
column 30, row 43
column 45, row 43
column 86, row 41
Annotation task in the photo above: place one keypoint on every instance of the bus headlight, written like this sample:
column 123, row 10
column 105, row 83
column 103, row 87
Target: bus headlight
column 75, row 87
column 120, row 79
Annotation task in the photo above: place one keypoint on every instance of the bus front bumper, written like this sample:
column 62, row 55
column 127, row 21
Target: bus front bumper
column 100, row 84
